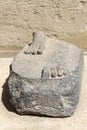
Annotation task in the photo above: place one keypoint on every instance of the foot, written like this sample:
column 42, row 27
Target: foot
column 38, row 45
column 54, row 71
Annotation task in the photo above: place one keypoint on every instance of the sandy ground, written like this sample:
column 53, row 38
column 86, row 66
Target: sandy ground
column 9, row 120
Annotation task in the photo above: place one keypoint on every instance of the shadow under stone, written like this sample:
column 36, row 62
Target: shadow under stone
column 6, row 97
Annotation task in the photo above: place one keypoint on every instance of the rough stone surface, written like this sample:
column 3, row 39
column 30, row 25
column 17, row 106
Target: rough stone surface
column 46, row 83
column 9, row 120
column 62, row 19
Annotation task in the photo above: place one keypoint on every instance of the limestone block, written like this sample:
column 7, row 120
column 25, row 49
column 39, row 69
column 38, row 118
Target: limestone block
column 45, row 77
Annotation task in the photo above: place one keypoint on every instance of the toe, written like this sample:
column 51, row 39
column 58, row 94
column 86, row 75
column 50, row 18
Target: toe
column 39, row 52
column 53, row 72
column 65, row 72
column 45, row 73
column 40, row 49
column 60, row 71
column 60, row 74
column 34, row 51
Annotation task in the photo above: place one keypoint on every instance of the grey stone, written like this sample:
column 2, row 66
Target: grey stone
column 46, row 83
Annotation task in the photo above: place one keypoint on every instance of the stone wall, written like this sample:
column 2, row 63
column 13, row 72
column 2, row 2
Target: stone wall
column 61, row 19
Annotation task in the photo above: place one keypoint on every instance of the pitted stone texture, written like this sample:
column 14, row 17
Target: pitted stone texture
column 48, row 83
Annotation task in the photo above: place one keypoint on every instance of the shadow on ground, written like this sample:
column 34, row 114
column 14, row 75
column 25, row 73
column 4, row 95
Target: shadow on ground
column 6, row 97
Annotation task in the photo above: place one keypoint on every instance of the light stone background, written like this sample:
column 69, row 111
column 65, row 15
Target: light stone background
column 61, row 19
column 11, row 121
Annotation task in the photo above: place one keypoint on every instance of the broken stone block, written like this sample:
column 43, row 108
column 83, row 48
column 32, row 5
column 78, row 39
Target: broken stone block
column 45, row 77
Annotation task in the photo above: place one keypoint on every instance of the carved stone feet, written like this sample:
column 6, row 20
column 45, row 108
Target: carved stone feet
column 55, row 71
column 38, row 45
column 46, row 84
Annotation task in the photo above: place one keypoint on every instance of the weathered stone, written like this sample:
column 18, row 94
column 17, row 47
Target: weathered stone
column 48, row 82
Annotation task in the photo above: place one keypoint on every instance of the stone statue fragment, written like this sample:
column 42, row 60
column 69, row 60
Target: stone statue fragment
column 45, row 77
